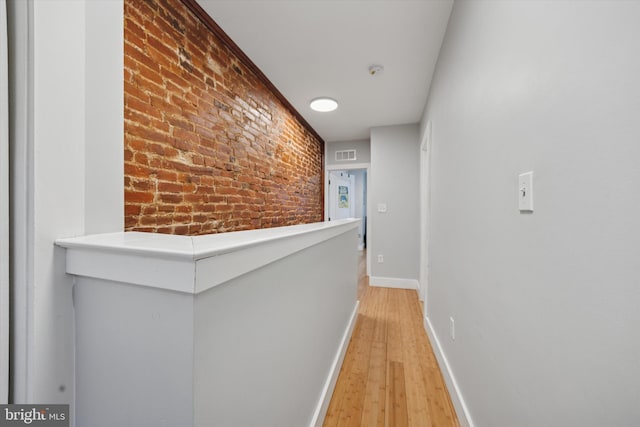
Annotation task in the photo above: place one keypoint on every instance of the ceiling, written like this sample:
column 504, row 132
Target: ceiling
column 313, row 48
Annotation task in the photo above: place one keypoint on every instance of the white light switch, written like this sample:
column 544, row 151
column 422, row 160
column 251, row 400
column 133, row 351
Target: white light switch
column 525, row 192
column 382, row 207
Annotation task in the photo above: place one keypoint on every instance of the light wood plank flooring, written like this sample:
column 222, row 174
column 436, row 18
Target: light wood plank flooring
column 390, row 376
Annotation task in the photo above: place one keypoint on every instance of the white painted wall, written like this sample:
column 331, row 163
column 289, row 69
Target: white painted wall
column 67, row 120
column 546, row 305
column 104, row 121
column 265, row 341
column 135, row 353
column 395, row 154
column 362, row 147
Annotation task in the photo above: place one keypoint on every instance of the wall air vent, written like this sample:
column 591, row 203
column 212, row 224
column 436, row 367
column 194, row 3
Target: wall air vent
column 345, row 155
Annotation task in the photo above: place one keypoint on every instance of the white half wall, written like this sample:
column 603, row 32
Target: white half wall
column 265, row 341
column 546, row 304
column 251, row 332
column 394, row 234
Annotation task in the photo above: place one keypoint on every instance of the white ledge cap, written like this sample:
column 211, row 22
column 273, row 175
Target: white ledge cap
column 167, row 261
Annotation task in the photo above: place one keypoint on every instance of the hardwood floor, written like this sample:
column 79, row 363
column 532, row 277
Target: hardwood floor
column 390, row 376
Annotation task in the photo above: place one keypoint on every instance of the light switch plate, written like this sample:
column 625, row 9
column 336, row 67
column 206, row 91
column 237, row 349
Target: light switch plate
column 382, row 207
column 525, row 192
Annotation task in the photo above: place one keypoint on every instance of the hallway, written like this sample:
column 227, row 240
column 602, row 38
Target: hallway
column 390, row 376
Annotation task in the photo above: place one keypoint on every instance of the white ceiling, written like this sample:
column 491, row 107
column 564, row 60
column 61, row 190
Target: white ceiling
column 313, row 48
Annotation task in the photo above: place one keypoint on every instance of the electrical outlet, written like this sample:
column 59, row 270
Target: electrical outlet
column 380, row 259
column 452, row 328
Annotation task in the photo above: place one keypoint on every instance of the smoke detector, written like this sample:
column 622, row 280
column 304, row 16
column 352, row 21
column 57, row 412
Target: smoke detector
column 375, row 70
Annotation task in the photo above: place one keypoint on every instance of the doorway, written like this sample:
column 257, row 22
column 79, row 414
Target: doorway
column 425, row 206
column 356, row 178
column 342, row 202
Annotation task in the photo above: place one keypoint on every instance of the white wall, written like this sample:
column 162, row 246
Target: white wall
column 363, row 152
column 546, row 305
column 67, row 120
column 291, row 319
column 394, row 181
column 135, row 353
column 104, row 121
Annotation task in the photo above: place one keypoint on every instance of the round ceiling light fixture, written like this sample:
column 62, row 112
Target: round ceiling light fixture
column 323, row 104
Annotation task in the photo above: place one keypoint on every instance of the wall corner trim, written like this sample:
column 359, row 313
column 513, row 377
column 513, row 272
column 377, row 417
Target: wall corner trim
column 462, row 411
column 208, row 21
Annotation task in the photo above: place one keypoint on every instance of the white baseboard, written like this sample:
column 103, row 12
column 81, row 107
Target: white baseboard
column 391, row 282
column 464, row 417
column 330, row 384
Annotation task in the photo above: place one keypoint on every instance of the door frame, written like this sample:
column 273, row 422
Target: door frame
column 4, row 207
column 348, row 167
column 425, row 212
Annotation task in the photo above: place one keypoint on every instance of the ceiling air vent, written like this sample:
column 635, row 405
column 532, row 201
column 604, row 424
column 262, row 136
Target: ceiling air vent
column 345, row 155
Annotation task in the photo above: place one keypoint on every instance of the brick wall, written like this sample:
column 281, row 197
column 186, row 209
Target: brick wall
column 208, row 148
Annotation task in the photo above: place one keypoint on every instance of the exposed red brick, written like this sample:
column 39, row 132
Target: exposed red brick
column 133, row 197
column 208, row 147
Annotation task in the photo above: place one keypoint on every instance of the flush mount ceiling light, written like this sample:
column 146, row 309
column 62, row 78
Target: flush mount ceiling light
column 323, row 104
